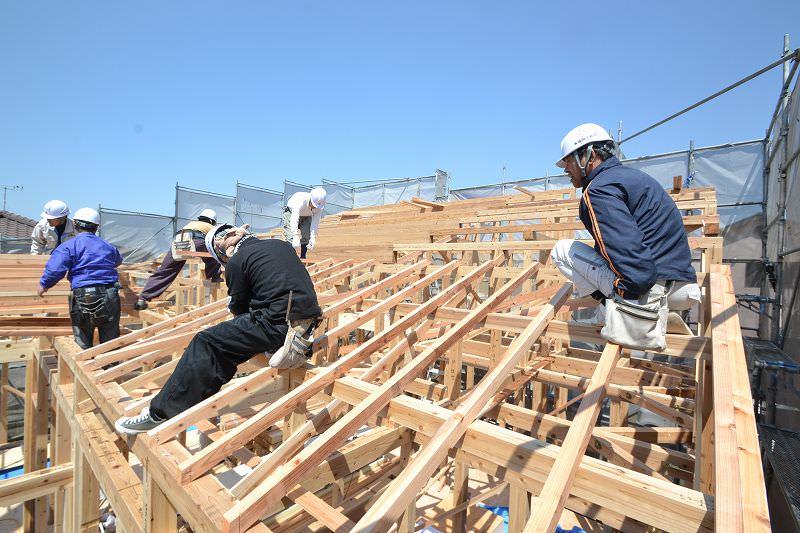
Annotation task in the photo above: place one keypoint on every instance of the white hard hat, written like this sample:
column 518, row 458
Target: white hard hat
column 210, row 239
column 87, row 215
column 318, row 195
column 55, row 209
column 579, row 137
column 208, row 213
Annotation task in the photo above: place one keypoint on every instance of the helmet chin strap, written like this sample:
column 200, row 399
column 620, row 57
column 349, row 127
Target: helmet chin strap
column 589, row 153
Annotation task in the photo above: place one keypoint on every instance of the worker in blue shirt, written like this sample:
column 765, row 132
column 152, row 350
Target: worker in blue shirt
column 90, row 264
column 641, row 247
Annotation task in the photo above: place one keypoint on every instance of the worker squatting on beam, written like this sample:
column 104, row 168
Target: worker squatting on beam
column 301, row 218
column 641, row 266
column 169, row 269
column 276, row 310
column 54, row 228
column 91, row 264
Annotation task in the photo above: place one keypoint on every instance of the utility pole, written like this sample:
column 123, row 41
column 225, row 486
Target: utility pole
column 7, row 188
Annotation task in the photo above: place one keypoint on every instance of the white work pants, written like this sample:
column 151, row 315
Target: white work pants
column 583, row 266
column 588, row 271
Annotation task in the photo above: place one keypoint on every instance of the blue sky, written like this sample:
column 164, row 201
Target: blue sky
column 111, row 103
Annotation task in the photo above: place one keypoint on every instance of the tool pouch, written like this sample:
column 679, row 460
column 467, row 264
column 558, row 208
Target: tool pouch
column 94, row 307
column 639, row 326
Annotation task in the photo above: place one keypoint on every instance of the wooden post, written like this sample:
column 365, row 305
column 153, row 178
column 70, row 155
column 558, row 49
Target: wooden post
column 62, row 452
column 619, row 413
column 458, row 521
column 159, row 514
column 409, row 518
column 560, row 398
column 677, row 184
column 297, row 417
column 452, row 378
column 519, row 508
column 35, row 512
column 86, row 491
column 41, row 428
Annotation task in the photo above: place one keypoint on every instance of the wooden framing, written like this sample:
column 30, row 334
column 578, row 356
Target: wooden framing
column 446, row 347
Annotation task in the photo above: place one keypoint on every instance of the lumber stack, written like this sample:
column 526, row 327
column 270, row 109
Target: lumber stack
column 447, row 372
column 19, row 281
column 373, row 232
column 22, row 311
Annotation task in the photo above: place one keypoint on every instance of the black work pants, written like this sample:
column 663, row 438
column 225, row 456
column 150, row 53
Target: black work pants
column 169, row 269
column 211, row 358
column 91, row 307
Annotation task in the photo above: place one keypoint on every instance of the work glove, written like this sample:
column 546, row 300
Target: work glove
column 311, row 242
column 296, row 241
column 296, row 348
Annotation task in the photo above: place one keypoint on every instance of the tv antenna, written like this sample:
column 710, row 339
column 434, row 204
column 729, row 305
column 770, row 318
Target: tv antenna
column 7, row 188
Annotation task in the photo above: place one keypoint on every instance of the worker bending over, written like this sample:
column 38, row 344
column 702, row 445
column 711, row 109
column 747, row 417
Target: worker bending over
column 170, row 267
column 54, row 228
column 275, row 310
column 301, row 218
column 641, row 253
column 90, row 264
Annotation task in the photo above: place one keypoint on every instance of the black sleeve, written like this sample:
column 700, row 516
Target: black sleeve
column 238, row 288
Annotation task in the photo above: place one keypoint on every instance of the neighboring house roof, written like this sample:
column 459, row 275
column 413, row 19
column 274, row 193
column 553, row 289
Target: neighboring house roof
column 13, row 225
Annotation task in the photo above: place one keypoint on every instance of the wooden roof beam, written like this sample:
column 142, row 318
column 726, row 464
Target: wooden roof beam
column 546, row 508
column 269, row 491
column 393, row 502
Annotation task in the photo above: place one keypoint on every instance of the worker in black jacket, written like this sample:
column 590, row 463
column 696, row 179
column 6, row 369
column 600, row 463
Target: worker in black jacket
column 640, row 241
column 276, row 310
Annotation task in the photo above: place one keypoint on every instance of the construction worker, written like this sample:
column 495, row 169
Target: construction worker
column 301, row 218
column 275, row 310
column 641, row 249
column 90, row 264
column 54, row 228
column 170, row 267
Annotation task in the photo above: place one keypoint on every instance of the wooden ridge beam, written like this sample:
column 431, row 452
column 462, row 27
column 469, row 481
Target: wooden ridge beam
column 738, row 477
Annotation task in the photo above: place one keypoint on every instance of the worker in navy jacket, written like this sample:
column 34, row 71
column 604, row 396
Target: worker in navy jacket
column 640, row 241
column 90, row 264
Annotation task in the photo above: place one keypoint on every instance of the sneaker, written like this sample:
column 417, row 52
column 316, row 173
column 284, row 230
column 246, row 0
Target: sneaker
column 140, row 304
column 295, row 350
column 131, row 425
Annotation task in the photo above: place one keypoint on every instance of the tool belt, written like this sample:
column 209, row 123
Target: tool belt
column 183, row 241
column 92, row 302
column 94, row 289
column 641, row 325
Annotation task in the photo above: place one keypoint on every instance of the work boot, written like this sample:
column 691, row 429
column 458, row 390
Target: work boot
column 140, row 304
column 296, row 347
column 142, row 423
